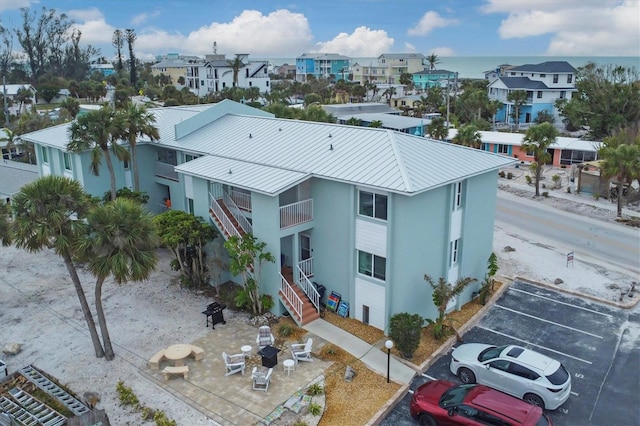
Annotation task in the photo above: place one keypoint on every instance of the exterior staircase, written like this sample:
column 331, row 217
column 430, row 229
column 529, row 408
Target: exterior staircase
column 309, row 312
column 230, row 218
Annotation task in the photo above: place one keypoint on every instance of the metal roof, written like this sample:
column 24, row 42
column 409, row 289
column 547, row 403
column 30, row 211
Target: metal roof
column 561, row 142
column 14, row 175
column 269, row 154
column 367, row 107
column 523, row 83
column 377, row 158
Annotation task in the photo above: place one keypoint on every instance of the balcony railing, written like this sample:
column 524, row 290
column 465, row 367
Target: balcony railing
column 242, row 199
column 296, row 213
column 166, row 170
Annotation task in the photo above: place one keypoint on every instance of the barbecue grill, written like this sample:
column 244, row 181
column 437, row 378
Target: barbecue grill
column 214, row 314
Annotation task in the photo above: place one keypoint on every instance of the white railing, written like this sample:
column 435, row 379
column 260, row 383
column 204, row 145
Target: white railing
column 291, row 296
column 296, row 213
column 309, row 289
column 306, row 266
column 166, row 170
column 237, row 213
column 227, row 226
column 242, row 199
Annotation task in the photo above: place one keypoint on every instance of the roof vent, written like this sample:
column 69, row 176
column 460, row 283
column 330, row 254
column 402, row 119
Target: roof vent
column 230, row 171
column 279, row 129
column 250, row 136
column 330, row 135
column 330, row 147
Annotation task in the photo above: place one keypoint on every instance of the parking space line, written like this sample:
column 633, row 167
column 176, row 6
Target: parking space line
column 428, row 377
column 533, row 344
column 557, row 301
column 547, row 321
column 574, row 393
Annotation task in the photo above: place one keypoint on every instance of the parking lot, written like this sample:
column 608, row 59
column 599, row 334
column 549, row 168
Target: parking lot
column 599, row 345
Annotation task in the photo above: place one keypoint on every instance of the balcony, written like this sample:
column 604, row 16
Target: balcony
column 296, row 213
column 166, row 171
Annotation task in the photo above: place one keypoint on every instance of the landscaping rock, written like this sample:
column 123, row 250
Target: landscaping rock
column 12, row 348
column 509, row 248
column 558, row 281
column 349, row 374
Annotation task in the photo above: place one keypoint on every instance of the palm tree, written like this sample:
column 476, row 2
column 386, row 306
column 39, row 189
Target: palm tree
column 23, row 96
column 621, row 160
column 518, row 98
column 50, row 213
column 71, row 106
column 469, row 136
column 537, row 140
column 389, row 94
column 235, row 65
column 443, row 292
column 5, row 220
column 122, row 242
column 97, row 131
column 10, row 138
column 433, row 60
column 138, row 123
column 437, row 129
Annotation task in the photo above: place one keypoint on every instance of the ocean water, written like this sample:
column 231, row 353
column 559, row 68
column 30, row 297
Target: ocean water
column 475, row 66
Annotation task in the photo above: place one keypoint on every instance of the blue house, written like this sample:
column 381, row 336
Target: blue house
column 322, row 65
column 427, row 79
column 544, row 83
column 365, row 212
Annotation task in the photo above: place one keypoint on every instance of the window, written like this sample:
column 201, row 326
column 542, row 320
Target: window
column 45, row 154
column 372, row 265
column 126, row 164
column 66, row 157
column 569, row 78
column 501, row 365
column 457, row 195
column 455, row 246
column 190, row 205
column 539, row 94
column 373, row 205
column 543, row 75
column 521, row 371
column 555, row 78
column 563, row 94
column 503, row 149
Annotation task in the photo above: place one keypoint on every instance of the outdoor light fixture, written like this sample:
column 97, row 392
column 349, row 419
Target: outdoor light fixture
column 388, row 344
column 330, row 147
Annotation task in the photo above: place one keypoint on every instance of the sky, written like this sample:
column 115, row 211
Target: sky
column 354, row 28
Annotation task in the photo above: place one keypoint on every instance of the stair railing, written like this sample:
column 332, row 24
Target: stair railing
column 309, row 289
column 237, row 213
column 226, row 224
column 291, row 296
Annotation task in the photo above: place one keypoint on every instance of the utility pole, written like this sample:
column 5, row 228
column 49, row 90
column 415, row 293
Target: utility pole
column 6, row 105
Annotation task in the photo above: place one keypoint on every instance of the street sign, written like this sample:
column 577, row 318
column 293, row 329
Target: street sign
column 569, row 258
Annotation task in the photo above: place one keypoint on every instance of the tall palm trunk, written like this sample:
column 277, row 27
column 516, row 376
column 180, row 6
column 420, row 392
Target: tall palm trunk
column 112, row 175
column 97, row 346
column 134, row 165
column 102, row 320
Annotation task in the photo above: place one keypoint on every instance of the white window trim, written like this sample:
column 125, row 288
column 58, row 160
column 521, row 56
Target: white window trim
column 457, row 195
column 373, row 217
column 455, row 253
column 373, row 266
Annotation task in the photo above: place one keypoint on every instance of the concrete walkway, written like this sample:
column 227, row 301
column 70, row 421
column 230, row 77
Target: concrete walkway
column 369, row 354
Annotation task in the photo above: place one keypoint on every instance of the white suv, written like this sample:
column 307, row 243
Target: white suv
column 520, row 372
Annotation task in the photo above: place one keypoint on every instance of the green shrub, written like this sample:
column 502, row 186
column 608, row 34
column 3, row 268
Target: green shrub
column 161, row 419
column 315, row 389
column 405, row 331
column 596, row 196
column 267, row 302
column 285, row 330
column 242, row 299
column 299, row 422
column 126, row 395
column 315, row 409
column 528, row 179
column 545, row 194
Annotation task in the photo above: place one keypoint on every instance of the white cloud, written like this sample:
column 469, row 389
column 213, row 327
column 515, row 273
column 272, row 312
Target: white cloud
column 429, row 22
column 408, row 47
column 442, row 51
column 15, row 4
column 280, row 33
column 363, row 42
column 143, row 17
column 577, row 27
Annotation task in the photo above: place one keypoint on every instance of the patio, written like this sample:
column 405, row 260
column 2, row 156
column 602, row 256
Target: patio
column 232, row 400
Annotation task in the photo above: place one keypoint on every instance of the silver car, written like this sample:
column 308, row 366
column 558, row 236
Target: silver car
column 520, row 372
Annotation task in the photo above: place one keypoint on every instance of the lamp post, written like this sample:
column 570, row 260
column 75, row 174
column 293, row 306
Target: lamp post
column 388, row 344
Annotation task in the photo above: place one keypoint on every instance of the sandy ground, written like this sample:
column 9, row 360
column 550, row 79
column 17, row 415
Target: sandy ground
column 39, row 309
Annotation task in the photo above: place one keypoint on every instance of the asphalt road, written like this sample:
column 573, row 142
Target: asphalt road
column 599, row 241
column 598, row 344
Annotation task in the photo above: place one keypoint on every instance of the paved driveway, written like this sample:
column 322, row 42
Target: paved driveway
column 598, row 344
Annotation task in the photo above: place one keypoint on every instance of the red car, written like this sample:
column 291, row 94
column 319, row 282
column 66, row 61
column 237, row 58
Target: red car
column 440, row 402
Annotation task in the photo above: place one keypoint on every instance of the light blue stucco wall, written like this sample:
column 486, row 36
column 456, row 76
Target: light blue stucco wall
column 419, row 241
